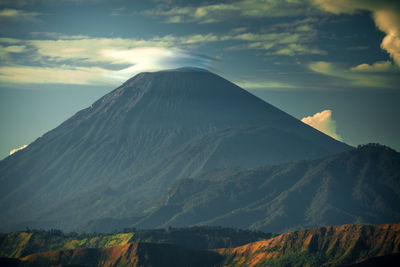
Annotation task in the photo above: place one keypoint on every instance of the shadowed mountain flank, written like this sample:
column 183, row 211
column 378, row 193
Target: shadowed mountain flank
column 113, row 158
column 133, row 254
column 357, row 186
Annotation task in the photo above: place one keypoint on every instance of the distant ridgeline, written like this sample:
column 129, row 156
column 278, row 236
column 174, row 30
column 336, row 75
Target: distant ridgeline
column 355, row 245
column 356, row 186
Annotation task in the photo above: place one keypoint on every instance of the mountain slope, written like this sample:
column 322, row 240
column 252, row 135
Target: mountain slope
column 324, row 246
column 21, row 244
column 356, row 186
column 113, row 158
column 133, row 254
column 345, row 245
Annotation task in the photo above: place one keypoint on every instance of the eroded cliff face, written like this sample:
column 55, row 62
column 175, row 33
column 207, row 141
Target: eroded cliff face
column 323, row 246
column 133, row 254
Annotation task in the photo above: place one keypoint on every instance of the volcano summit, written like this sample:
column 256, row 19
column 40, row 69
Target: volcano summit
column 113, row 158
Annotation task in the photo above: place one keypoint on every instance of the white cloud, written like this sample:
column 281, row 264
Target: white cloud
column 380, row 66
column 17, row 149
column 323, row 122
column 211, row 13
column 386, row 14
column 358, row 79
column 260, row 85
column 59, row 59
column 93, row 52
column 13, row 48
column 297, row 49
column 9, row 13
column 62, row 74
column 388, row 21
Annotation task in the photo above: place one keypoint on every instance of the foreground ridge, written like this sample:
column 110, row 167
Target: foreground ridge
column 322, row 246
column 355, row 245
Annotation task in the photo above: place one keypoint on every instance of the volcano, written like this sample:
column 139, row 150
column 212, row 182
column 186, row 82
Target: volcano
column 115, row 157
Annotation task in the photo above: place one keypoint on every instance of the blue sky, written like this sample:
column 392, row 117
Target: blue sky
column 333, row 64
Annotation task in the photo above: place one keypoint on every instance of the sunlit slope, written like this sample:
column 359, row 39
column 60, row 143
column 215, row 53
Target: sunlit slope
column 323, row 246
column 134, row 254
column 354, row 245
column 20, row 244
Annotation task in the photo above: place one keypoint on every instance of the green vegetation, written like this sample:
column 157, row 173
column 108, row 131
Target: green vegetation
column 201, row 237
column 294, row 258
column 20, row 244
column 357, row 186
column 322, row 246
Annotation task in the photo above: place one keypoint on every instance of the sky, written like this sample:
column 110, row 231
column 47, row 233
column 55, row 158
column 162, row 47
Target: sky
column 334, row 65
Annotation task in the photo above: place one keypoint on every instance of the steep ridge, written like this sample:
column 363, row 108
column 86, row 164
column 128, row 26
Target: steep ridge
column 21, row 244
column 345, row 245
column 324, row 246
column 113, row 158
column 133, row 254
column 357, row 186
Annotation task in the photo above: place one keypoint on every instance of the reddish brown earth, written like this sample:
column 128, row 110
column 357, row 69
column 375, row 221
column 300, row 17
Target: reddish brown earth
column 134, row 254
column 326, row 246
column 123, row 255
column 323, row 246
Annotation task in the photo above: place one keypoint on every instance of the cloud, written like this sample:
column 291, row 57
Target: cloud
column 15, row 48
column 388, row 21
column 6, row 40
column 297, row 49
column 357, row 79
column 129, row 62
column 63, row 75
column 77, row 59
column 57, row 57
column 289, row 39
column 260, row 85
column 86, row 48
column 323, row 122
column 216, row 12
column 380, row 66
column 17, row 149
column 386, row 15
column 17, row 14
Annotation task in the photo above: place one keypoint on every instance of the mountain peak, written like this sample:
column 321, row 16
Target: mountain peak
column 138, row 139
column 186, row 69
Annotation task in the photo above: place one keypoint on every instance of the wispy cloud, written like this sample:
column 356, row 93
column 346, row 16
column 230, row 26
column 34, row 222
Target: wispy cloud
column 262, row 85
column 55, row 53
column 62, row 74
column 216, row 12
column 380, row 66
column 17, row 14
column 323, row 122
column 299, row 49
column 357, row 79
column 78, row 61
